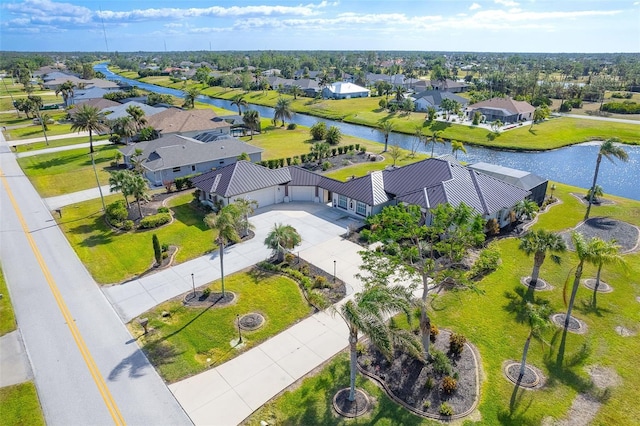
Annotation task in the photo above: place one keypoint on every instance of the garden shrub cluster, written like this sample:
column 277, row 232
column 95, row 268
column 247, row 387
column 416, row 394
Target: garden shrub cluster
column 618, row 95
column 456, row 343
column 626, row 107
column 309, row 286
column 446, row 409
column 117, row 213
column 449, row 385
column 276, row 163
column 155, row 220
column 486, row 263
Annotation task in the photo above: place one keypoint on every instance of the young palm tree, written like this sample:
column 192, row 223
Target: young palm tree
column 296, row 91
column 538, row 243
column 585, row 251
column 124, row 127
column 67, row 90
column 251, row 119
column 597, row 193
column 321, row 150
column 89, row 119
column 282, row 110
column 435, row 138
column 120, row 181
column 137, row 115
column 282, row 238
column 604, row 253
column 190, row 96
column 137, row 186
column 246, row 206
column 399, row 93
column 527, row 208
column 538, row 319
column 386, row 127
column 239, row 101
column 457, row 146
column 367, row 313
column 226, row 222
column 610, row 150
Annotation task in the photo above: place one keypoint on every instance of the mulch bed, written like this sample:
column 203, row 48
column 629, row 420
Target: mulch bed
column 603, row 287
column 354, row 408
column 626, row 235
column 251, row 321
column 531, row 379
column 596, row 202
column 334, row 291
column 539, row 286
column 343, row 160
column 214, row 299
column 575, row 325
column 407, row 379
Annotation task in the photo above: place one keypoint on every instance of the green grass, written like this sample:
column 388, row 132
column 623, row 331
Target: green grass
column 489, row 320
column 180, row 344
column 35, row 131
column 20, row 406
column 7, row 316
column 65, row 172
column 112, row 257
column 35, row 146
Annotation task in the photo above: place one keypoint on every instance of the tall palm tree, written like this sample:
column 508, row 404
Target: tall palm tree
column 137, row 115
column 538, row 319
column 251, row 119
column 282, row 110
column 246, row 206
column 89, row 119
column 190, row 96
column 367, row 313
column 435, row 138
column 585, row 251
column 226, row 222
column 538, row 243
column 67, row 90
column 137, row 186
column 457, row 146
column 386, row 127
column 124, row 127
column 120, row 181
column 239, row 101
column 399, row 92
column 605, row 253
column 296, row 91
column 611, row 151
column 282, row 238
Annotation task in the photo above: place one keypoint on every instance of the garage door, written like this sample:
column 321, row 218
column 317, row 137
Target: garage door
column 302, row 193
column 264, row 197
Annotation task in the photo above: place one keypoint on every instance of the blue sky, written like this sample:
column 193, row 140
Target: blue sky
column 426, row 25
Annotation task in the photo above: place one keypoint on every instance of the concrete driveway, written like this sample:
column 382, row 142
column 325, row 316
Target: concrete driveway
column 319, row 225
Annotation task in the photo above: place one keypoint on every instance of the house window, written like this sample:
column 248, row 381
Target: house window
column 193, row 168
column 361, row 208
column 342, row 202
column 176, row 170
column 221, row 162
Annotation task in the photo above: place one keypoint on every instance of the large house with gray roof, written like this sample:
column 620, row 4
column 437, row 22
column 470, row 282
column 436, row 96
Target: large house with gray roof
column 506, row 110
column 426, row 183
column 173, row 156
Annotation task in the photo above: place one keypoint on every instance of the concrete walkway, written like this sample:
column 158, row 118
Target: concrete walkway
column 59, row 201
column 51, row 138
column 61, row 148
column 14, row 362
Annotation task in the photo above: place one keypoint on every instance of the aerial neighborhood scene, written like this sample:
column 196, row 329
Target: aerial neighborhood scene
column 327, row 213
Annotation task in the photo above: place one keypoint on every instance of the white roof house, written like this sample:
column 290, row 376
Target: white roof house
column 343, row 90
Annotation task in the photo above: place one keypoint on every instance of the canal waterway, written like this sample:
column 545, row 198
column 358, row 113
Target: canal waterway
column 572, row 165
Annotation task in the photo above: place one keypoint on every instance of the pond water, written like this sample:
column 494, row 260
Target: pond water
column 573, row 165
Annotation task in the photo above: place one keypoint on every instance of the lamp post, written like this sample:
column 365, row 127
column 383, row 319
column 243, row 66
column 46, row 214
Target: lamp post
column 553, row 188
column 334, row 271
column 239, row 333
column 193, row 284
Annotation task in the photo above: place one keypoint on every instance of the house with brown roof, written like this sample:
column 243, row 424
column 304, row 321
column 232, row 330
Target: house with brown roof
column 426, row 183
column 506, row 110
column 99, row 103
column 188, row 122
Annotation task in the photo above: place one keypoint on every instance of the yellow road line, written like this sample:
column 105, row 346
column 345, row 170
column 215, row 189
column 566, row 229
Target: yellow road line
column 82, row 346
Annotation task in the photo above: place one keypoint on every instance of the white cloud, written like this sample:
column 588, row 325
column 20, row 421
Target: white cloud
column 46, row 11
column 507, row 3
column 474, row 6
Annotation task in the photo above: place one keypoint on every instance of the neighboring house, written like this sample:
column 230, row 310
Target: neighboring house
column 99, row 103
column 271, row 72
column 188, row 122
column 238, row 128
column 426, row 183
column 173, row 156
column 504, row 109
column 433, row 98
column 449, row 85
column 120, row 110
column 312, row 74
column 342, row 90
column 525, row 180
column 53, row 80
column 82, row 95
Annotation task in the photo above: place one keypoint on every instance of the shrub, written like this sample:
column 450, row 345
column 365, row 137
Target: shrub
column 164, row 247
column 363, row 149
column 493, row 227
column 383, row 103
column 333, row 136
column 163, row 210
column 426, row 405
column 292, row 126
column 441, row 364
column 296, row 160
column 155, row 220
column 357, row 147
column 446, row 409
column 114, row 139
column 365, row 235
column 334, row 151
column 340, row 150
column 433, row 332
column 319, row 281
column 456, row 343
column 318, row 131
column 487, row 262
column 317, row 299
column 128, row 225
column 206, row 292
column 288, row 161
column 117, row 212
column 303, row 157
column 326, row 165
column 157, row 250
column 449, row 385
column 360, row 348
column 429, row 384
column 289, row 258
column 565, row 107
column 625, row 107
column 304, row 269
column 617, row 95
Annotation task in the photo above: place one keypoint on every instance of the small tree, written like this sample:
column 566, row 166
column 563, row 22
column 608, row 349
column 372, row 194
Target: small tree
column 226, row 222
column 282, row 238
column 604, row 253
column 334, row 136
column 538, row 319
column 431, row 113
column 496, row 126
column 318, row 131
column 526, row 208
column 538, row 243
column 157, row 250
column 395, row 152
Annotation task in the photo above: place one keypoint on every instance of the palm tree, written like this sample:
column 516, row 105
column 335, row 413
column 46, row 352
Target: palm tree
column 527, row 208
column 538, row 319
column 296, row 91
column 226, row 222
column 585, row 251
column 321, row 150
column 239, row 101
column 67, row 91
column 137, row 114
column 538, row 243
column 282, row 110
column 120, row 181
column 604, row 253
column 435, row 138
column 598, row 192
column 282, row 238
column 399, row 93
column 246, row 206
column 610, row 150
column 457, row 146
column 367, row 313
column 89, row 119
column 251, row 119
column 190, row 96
column 138, row 188
column 386, row 127
column 123, row 127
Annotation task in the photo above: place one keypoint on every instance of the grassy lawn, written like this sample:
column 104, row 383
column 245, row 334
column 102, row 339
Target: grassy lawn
column 489, row 320
column 192, row 339
column 35, row 131
column 35, row 146
column 7, row 316
column 20, row 406
column 64, row 172
column 48, row 97
column 112, row 257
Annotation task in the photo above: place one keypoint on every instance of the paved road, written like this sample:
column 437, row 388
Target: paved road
column 596, row 118
column 87, row 367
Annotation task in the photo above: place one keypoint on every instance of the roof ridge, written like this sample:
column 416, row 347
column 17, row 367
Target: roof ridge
column 476, row 184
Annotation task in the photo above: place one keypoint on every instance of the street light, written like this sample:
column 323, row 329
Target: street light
column 553, row 188
column 193, row 283
column 334, row 271
column 239, row 333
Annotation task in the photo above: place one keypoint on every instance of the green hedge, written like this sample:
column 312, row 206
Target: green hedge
column 155, row 220
column 626, row 107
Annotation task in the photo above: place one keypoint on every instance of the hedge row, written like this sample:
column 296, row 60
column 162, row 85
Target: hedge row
column 311, row 157
column 626, row 107
column 155, row 220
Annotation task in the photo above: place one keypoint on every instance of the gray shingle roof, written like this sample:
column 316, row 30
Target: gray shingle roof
column 239, row 178
column 121, row 110
column 519, row 178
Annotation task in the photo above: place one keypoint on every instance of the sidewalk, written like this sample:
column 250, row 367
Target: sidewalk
column 61, row 148
column 14, row 361
column 51, row 138
column 59, row 201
